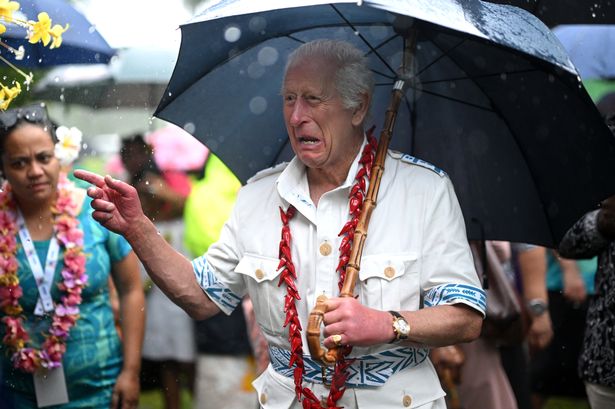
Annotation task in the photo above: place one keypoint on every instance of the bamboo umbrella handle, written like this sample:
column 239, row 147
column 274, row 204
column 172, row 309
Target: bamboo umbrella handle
column 316, row 317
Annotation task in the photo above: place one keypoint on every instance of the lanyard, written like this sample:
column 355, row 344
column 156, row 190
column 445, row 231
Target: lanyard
column 44, row 278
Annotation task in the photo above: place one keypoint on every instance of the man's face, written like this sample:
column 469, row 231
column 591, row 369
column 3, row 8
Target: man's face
column 322, row 132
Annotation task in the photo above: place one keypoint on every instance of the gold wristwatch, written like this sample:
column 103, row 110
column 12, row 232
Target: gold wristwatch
column 401, row 328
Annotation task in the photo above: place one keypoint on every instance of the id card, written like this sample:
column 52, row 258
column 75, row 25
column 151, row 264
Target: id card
column 50, row 387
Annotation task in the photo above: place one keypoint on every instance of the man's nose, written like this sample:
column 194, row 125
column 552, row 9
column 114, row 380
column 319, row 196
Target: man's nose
column 298, row 112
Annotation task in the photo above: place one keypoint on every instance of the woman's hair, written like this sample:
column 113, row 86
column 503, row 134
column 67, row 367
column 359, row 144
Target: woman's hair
column 35, row 114
column 353, row 78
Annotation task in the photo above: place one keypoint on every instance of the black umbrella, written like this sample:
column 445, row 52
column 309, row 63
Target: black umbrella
column 495, row 101
column 555, row 12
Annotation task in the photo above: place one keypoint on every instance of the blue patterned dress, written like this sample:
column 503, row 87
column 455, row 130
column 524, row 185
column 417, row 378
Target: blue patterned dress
column 93, row 357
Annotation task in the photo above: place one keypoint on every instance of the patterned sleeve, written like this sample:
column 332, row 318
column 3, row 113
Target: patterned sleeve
column 583, row 239
column 449, row 276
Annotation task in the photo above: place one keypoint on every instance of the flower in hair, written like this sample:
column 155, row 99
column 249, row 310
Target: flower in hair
column 68, row 145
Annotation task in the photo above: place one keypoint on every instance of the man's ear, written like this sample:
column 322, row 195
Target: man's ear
column 360, row 112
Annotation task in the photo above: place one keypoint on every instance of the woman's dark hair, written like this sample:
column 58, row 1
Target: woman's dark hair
column 35, row 114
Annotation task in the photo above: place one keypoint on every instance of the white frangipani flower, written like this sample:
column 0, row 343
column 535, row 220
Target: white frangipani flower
column 68, row 145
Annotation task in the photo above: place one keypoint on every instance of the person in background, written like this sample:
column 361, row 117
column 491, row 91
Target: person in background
column 57, row 324
column 224, row 365
column 473, row 372
column 169, row 349
column 594, row 235
column 282, row 246
column 553, row 369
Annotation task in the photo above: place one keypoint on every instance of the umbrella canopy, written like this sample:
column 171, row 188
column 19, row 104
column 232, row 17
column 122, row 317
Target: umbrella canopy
column 81, row 44
column 590, row 48
column 495, row 101
column 555, row 12
column 135, row 77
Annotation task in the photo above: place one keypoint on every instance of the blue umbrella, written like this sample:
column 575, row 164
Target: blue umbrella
column 590, row 48
column 494, row 101
column 81, row 44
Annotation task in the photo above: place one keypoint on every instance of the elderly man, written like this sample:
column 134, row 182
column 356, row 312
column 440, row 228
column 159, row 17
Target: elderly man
column 417, row 284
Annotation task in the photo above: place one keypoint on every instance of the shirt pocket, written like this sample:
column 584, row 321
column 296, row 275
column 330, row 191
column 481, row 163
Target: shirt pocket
column 267, row 297
column 390, row 282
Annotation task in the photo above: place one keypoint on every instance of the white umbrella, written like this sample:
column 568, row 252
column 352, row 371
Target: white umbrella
column 136, row 77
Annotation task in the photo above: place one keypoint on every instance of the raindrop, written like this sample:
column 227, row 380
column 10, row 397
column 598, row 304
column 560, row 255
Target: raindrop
column 255, row 70
column 232, row 34
column 551, row 78
column 257, row 24
column 189, row 127
column 267, row 56
column 258, row 105
column 267, row 150
column 503, row 76
column 91, row 30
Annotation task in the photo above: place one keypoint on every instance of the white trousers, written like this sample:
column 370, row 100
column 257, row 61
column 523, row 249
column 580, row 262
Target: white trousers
column 600, row 397
column 224, row 381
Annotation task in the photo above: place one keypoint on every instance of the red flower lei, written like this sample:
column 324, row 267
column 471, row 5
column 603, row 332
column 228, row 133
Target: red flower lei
column 70, row 238
column 289, row 274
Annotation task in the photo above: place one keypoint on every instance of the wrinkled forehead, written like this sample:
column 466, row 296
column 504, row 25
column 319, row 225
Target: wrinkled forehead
column 314, row 74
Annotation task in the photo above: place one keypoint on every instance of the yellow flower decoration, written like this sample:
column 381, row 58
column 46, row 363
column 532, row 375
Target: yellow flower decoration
column 40, row 29
column 7, row 7
column 43, row 32
column 56, row 33
column 7, row 95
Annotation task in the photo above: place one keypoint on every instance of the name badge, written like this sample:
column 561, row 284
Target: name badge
column 50, row 387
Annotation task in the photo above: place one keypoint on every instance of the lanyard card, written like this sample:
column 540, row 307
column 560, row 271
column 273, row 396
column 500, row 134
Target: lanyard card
column 50, row 387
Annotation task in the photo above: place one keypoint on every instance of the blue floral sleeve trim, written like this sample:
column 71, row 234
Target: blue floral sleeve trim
column 219, row 293
column 457, row 293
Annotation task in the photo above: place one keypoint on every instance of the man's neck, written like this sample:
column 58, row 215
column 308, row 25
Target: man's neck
column 321, row 180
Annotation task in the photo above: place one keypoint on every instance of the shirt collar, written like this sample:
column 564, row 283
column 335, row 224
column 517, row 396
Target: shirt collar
column 292, row 184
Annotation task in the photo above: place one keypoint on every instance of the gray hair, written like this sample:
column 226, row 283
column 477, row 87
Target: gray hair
column 352, row 77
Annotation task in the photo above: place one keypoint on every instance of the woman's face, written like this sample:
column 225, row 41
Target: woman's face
column 29, row 164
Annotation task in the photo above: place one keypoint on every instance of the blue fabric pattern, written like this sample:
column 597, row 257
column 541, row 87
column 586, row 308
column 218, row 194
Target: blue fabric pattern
column 93, row 357
column 365, row 371
column 457, row 293
column 218, row 292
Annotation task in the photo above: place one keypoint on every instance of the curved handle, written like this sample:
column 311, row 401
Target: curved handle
column 318, row 353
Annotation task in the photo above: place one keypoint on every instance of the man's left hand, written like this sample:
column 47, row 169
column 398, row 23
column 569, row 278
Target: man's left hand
column 357, row 324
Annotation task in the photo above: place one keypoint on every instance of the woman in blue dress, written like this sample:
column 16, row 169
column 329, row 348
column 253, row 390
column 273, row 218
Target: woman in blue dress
column 60, row 347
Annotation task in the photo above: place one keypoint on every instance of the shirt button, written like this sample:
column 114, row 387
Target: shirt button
column 389, row 272
column 259, row 274
column 407, row 401
column 263, row 398
column 325, row 249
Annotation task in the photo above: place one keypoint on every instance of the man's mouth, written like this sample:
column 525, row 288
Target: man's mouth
column 308, row 140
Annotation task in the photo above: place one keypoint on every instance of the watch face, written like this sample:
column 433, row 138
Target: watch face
column 403, row 329
column 537, row 307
